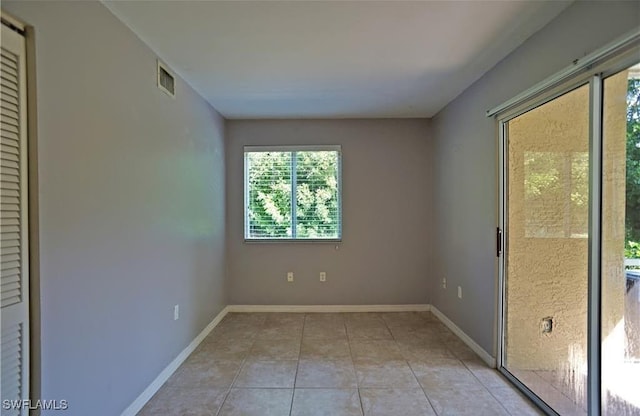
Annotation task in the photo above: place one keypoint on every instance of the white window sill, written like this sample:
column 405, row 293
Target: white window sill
column 293, row 240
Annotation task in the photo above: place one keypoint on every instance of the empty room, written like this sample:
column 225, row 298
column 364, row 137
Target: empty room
column 374, row 208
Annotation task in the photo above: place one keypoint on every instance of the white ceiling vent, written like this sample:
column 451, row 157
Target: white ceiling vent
column 166, row 79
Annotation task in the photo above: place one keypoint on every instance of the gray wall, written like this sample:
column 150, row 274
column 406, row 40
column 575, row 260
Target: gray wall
column 131, row 209
column 466, row 158
column 384, row 257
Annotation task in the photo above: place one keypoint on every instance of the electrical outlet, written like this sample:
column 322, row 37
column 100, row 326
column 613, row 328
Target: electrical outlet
column 290, row 277
column 323, row 276
column 444, row 282
column 460, row 292
column 546, row 325
column 176, row 312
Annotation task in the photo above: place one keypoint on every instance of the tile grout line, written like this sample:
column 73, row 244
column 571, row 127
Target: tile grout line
column 253, row 341
column 411, row 368
column 486, row 388
column 346, row 331
column 476, row 377
column 423, row 392
column 295, row 377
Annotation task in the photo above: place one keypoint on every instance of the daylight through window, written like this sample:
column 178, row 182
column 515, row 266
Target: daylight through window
column 292, row 193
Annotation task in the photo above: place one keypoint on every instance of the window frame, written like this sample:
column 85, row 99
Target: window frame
column 293, row 149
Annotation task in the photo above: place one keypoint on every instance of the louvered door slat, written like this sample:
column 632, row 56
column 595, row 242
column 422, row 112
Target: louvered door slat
column 9, row 257
column 9, row 215
column 9, row 193
column 11, row 251
column 7, row 144
column 8, row 151
column 10, row 288
column 14, row 266
column 8, row 199
column 9, row 207
column 15, row 285
column 8, row 228
column 10, row 87
column 8, row 265
column 11, row 275
column 9, row 178
column 10, row 132
column 10, row 77
column 13, row 367
column 9, row 244
column 5, row 149
column 8, row 71
column 7, row 94
column 11, row 372
column 9, row 185
column 9, row 59
column 8, row 121
column 7, row 164
column 9, row 236
column 9, row 172
column 8, row 100
column 9, row 157
column 12, row 362
column 10, row 113
column 10, row 221
column 10, row 107
column 10, row 297
column 9, row 211
column 8, row 340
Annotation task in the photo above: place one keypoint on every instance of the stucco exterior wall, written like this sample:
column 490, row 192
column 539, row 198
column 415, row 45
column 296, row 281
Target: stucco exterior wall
column 613, row 224
column 547, row 264
column 547, row 239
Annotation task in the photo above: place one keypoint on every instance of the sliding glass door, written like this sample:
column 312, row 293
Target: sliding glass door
column 569, row 330
column 547, row 256
column 621, row 243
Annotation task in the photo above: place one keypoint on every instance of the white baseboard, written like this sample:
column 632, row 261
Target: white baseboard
column 328, row 308
column 164, row 375
column 486, row 357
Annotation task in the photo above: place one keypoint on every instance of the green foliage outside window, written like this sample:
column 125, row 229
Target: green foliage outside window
column 632, row 226
column 314, row 177
column 269, row 204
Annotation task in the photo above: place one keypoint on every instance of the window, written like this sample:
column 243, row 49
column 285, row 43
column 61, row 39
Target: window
column 292, row 193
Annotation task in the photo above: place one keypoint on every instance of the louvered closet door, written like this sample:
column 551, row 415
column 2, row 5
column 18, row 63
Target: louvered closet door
column 14, row 292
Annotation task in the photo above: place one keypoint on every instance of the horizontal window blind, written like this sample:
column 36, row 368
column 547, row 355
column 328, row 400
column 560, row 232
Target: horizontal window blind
column 269, row 195
column 292, row 193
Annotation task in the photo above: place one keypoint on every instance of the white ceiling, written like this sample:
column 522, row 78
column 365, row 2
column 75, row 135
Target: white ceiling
column 332, row 59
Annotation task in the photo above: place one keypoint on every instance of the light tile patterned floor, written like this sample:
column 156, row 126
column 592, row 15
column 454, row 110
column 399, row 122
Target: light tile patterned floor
column 335, row 364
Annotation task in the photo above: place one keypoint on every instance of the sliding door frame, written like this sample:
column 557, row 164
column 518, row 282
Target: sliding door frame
column 594, row 321
column 620, row 55
column 503, row 126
